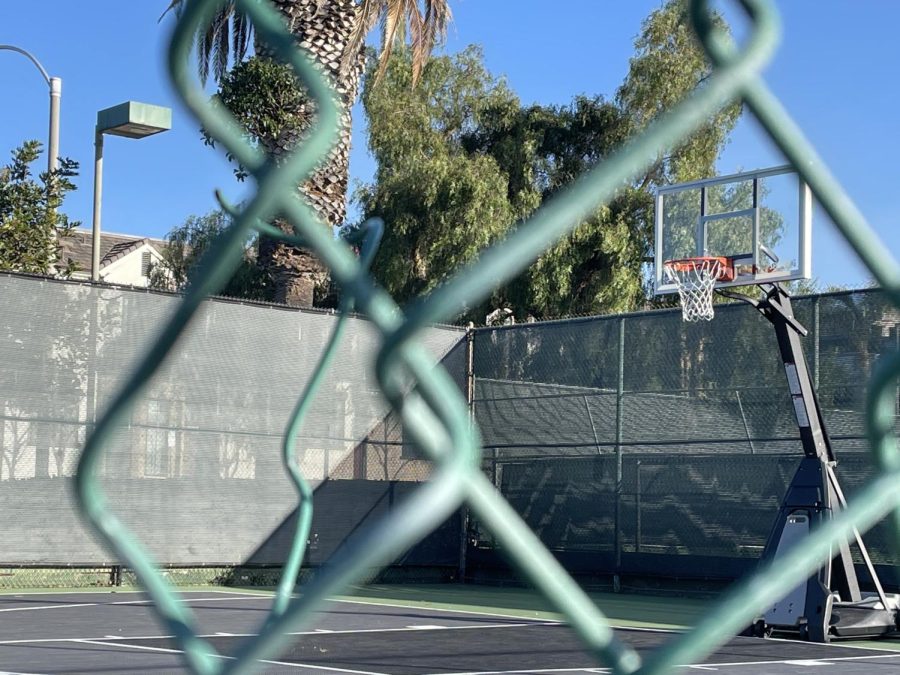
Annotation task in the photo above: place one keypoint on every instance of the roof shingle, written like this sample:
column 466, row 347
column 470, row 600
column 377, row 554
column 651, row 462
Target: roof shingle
column 78, row 245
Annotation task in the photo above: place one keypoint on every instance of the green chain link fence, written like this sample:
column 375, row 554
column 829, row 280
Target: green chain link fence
column 647, row 447
column 434, row 414
column 200, row 452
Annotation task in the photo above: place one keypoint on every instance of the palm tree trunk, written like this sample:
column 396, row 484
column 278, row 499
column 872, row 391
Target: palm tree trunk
column 322, row 29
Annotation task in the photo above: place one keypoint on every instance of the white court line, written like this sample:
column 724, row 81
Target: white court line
column 31, row 609
column 524, row 621
column 703, row 666
column 183, row 599
column 536, row 619
column 246, row 635
column 86, row 591
column 104, row 639
column 427, row 627
column 321, row 667
column 110, row 643
column 377, row 603
column 165, row 650
column 582, row 669
column 886, row 655
column 828, row 645
column 409, row 629
column 358, row 631
column 530, row 620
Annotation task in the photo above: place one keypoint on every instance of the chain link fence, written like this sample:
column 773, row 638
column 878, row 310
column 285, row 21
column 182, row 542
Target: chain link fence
column 634, row 445
column 643, row 445
column 197, row 470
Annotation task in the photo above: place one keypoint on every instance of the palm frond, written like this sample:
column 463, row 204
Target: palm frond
column 422, row 22
column 227, row 35
column 392, row 21
column 241, row 30
column 367, row 14
column 221, row 50
column 176, row 6
column 434, row 30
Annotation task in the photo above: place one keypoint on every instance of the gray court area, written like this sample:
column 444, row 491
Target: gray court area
column 116, row 633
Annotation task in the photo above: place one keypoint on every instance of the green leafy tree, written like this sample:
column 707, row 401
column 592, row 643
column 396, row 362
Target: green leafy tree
column 333, row 33
column 442, row 205
column 463, row 117
column 600, row 267
column 30, row 220
column 186, row 244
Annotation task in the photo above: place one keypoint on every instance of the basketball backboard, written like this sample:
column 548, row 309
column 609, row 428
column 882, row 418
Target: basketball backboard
column 760, row 220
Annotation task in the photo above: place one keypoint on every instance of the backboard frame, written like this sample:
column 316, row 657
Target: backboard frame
column 749, row 259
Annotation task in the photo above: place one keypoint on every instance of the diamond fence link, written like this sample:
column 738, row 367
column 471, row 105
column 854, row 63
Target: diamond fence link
column 433, row 412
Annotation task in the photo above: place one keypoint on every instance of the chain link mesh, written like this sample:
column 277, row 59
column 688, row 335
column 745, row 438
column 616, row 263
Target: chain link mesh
column 433, row 412
column 200, row 452
column 641, row 445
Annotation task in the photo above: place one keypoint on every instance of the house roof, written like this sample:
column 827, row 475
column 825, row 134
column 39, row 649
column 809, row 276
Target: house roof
column 78, row 247
column 121, row 249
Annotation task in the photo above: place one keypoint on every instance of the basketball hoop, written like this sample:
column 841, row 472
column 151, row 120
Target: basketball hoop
column 696, row 279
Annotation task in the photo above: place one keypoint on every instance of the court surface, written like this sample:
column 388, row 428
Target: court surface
column 116, row 633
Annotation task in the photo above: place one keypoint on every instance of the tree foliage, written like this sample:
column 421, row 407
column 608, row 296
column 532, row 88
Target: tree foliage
column 229, row 33
column 30, row 220
column 187, row 243
column 460, row 161
column 442, row 204
column 332, row 34
column 268, row 103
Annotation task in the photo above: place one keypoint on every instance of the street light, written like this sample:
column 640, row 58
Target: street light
column 55, row 85
column 131, row 120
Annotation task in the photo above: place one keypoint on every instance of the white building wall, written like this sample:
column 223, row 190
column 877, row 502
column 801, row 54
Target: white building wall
column 129, row 271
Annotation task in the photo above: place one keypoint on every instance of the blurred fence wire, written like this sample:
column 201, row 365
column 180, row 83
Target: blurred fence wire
column 433, row 412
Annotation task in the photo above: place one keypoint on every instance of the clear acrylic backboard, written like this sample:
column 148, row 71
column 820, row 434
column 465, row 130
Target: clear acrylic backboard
column 760, row 220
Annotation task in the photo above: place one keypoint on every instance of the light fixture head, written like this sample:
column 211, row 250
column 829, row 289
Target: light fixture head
column 134, row 120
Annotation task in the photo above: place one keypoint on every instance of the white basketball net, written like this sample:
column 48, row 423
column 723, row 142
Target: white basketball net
column 695, row 280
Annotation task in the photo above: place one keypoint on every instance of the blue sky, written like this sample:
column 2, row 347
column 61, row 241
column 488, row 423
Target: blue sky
column 835, row 72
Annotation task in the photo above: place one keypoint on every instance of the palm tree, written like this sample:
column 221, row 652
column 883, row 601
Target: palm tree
column 333, row 34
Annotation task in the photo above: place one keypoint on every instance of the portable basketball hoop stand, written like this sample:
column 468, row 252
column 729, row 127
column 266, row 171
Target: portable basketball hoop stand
column 830, row 604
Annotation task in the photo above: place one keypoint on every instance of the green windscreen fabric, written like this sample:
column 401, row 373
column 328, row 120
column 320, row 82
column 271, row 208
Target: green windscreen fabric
column 196, row 470
column 640, row 435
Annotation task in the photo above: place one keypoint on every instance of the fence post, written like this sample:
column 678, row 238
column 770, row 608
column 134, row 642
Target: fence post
column 470, row 401
column 638, row 538
column 620, row 391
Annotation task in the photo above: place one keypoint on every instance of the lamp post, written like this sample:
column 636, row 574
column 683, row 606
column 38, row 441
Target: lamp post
column 131, row 120
column 55, row 85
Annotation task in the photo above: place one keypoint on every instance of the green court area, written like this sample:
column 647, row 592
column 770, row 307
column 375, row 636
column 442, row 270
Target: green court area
column 623, row 609
column 631, row 610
